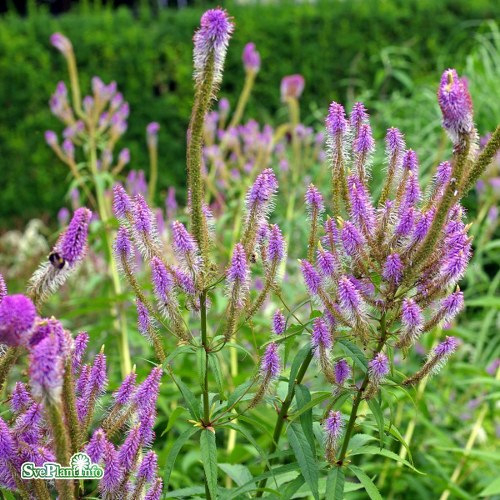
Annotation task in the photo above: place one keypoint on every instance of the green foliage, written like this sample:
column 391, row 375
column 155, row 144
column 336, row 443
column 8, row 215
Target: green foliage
column 342, row 49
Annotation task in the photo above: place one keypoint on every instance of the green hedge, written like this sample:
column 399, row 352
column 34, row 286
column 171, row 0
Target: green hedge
column 339, row 46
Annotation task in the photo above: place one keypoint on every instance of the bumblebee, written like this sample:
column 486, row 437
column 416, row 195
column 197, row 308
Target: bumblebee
column 253, row 258
column 56, row 260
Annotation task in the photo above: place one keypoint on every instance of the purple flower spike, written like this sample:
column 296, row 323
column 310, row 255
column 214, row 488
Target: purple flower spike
column 361, row 209
column 113, row 473
column 96, row 445
column 445, row 349
column 126, row 390
column 80, row 345
column 20, row 398
column 320, row 337
column 395, row 143
column 270, row 365
column 314, row 201
column 127, row 454
column 147, row 392
column 46, row 370
column 364, row 143
column 162, row 280
column 410, row 161
column 327, row 263
column 406, row 222
column 121, row 202
column 61, row 43
column 411, row 315
column 279, row 323
column 154, row 493
column 143, row 218
column 263, row 189
column 352, row 239
column 358, row 116
column 336, row 122
column 276, row 246
column 171, row 202
column 452, row 305
column 342, row 371
column 51, row 138
column 17, row 317
column 183, row 241
column 349, row 298
column 238, row 270
column 152, row 134
column 378, row 367
column 143, row 319
column 97, row 378
column 312, row 279
column 211, row 40
column 7, row 445
column 292, row 87
column 393, row 269
column 456, row 105
column 334, row 425
column 74, row 241
column 251, row 58
column 148, row 468
column 443, row 174
column 123, row 244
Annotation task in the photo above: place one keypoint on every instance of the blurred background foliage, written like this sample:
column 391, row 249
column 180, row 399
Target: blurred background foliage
column 384, row 52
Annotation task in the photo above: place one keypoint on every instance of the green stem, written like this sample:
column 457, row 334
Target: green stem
column 69, row 404
column 7, row 361
column 153, row 178
column 62, row 448
column 359, row 396
column 243, row 100
column 204, row 341
column 283, row 415
column 118, row 313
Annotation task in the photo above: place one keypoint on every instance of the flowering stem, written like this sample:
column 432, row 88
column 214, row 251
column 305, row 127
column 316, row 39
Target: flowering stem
column 153, row 177
column 126, row 364
column 70, row 408
column 243, row 100
column 283, row 415
column 204, row 341
column 61, row 444
column 359, row 396
column 194, row 157
column 7, row 362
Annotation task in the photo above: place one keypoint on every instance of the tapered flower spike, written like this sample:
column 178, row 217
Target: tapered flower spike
column 61, row 43
column 238, row 276
column 292, row 87
column 251, row 58
column 126, row 390
column 113, row 473
column 350, row 299
column 73, row 243
column 46, row 370
column 352, row 240
column 146, row 394
column 7, row 444
column 312, row 279
column 276, row 246
column 96, row 445
column 270, row 365
column 279, row 323
column 123, row 245
column 358, row 117
column 412, row 322
column 336, row 122
column 186, row 247
column 20, row 398
column 361, row 209
column 80, row 346
column 378, row 368
column 435, row 361
column 314, row 201
column 321, row 337
column 128, row 452
column 456, row 105
column 122, row 204
column 327, row 262
column 210, row 45
column 342, row 371
column 17, row 318
column 149, row 467
column 393, row 269
column 333, row 426
column 154, row 493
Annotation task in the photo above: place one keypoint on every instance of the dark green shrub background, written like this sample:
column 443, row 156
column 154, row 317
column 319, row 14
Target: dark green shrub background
column 335, row 45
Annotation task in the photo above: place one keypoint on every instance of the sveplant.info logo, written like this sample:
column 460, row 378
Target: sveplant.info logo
column 80, row 467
